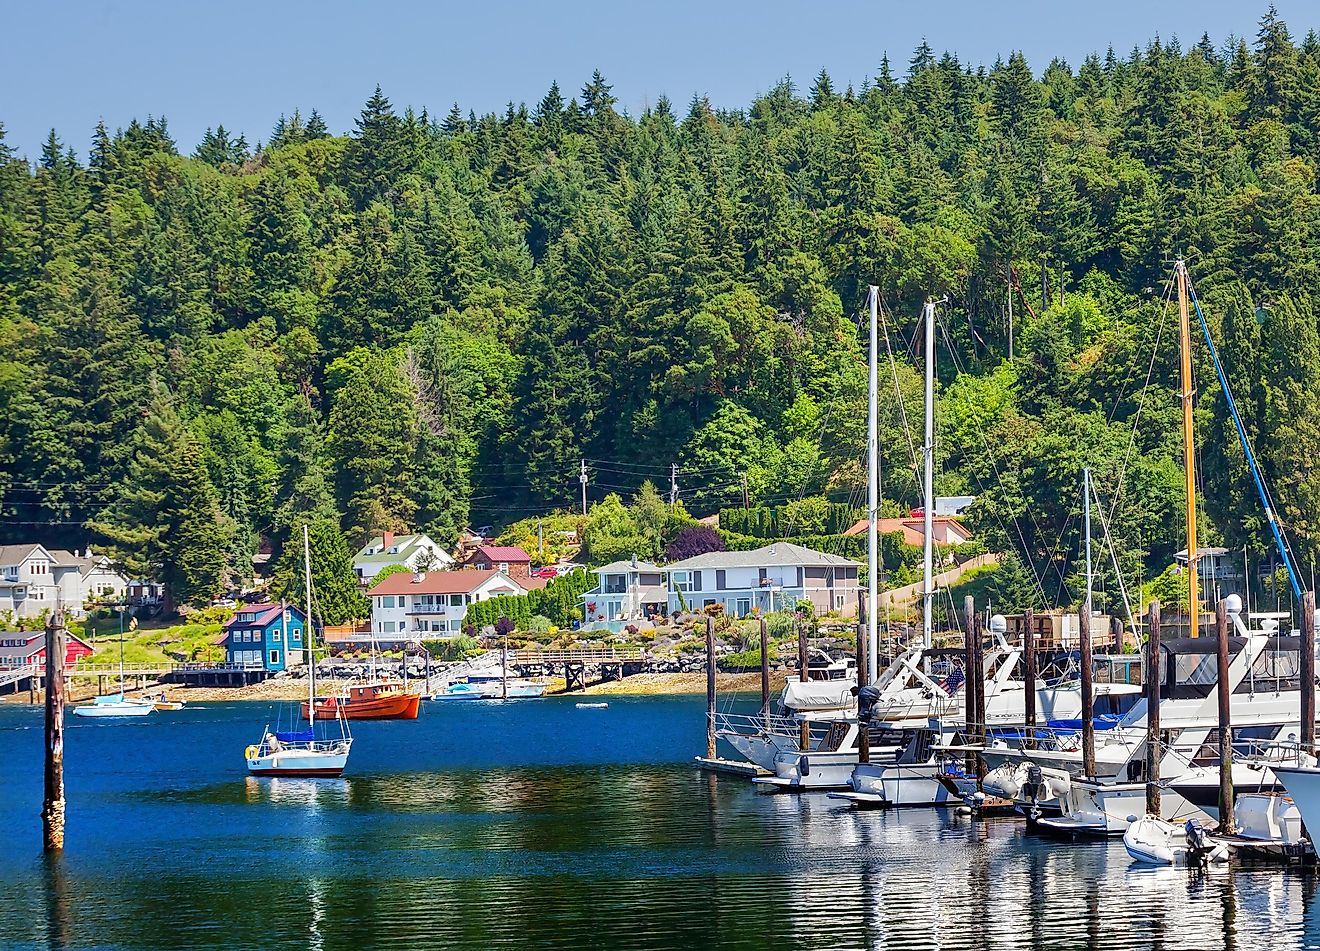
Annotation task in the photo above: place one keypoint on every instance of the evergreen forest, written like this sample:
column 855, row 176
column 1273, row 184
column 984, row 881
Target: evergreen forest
column 432, row 320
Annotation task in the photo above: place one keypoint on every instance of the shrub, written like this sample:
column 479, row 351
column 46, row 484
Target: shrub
column 694, row 540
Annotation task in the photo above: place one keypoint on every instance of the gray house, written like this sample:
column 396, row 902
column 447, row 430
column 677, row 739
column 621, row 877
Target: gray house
column 773, row 578
column 626, row 591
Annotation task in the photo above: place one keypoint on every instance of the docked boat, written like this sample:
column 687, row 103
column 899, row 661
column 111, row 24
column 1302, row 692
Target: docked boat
column 375, row 700
column 1151, row 841
column 462, row 690
column 303, row 752
column 914, row 776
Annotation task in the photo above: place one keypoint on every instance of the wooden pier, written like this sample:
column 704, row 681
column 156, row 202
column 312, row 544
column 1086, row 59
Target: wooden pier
column 612, row 664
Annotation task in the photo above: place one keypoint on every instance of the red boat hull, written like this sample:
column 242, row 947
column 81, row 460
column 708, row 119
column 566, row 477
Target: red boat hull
column 391, row 706
column 332, row 773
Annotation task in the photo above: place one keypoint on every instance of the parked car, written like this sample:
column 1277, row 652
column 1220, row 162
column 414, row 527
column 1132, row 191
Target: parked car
column 549, row 571
column 568, row 568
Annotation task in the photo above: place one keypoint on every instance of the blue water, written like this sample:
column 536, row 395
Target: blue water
column 538, row 825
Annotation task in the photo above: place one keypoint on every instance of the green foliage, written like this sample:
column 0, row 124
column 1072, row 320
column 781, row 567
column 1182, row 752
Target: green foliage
column 386, row 572
column 559, row 602
column 429, row 322
column 336, row 597
column 811, row 516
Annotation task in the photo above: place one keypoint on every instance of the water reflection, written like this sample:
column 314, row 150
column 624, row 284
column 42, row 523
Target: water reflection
column 178, row 852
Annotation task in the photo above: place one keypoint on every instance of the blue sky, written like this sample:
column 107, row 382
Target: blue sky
column 69, row 62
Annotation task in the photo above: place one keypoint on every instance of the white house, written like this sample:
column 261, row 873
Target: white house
column 34, row 578
column 626, row 590
column 414, row 552
column 773, row 578
column 429, row 604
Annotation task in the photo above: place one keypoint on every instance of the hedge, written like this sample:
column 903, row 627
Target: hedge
column 794, row 518
column 558, row 601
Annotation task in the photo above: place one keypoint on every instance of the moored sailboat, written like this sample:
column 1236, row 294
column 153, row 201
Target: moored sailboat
column 301, row 752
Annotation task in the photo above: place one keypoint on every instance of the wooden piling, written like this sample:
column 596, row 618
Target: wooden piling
column 1153, row 677
column 52, row 809
column 710, row 688
column 804, row 728
column 765, row 676
column 1088, row 691
column 863, row 729
column 1308, row 671
column 1226, row 823
column 1029, row 676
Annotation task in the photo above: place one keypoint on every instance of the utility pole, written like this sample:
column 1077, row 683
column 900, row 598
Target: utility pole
column 1010, row 312
column 582, row 478
column 673, row 484
column 540, row 539
column 746, row 501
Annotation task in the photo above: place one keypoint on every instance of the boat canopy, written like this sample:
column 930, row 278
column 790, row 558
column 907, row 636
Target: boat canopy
column 297, row 736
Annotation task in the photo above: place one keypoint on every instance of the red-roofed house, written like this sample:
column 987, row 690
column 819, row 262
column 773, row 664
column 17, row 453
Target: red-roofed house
column 511, row 560
column 944, row 530
column 429, row 604
column 269, row 634
column 28, row 649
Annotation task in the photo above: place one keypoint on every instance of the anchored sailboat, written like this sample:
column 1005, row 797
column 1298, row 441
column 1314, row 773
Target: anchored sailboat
column 116, row 705
column 300, row 752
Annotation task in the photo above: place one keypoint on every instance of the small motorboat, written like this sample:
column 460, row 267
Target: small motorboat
column 162, row 702
column 115, row 705
column 592, row 706
column 463, row 691
column 1154, row 841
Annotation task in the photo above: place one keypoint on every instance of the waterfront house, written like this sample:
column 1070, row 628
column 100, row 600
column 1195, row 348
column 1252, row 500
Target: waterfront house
column 626, row 590
column 772, row 578
column 433, row 604
column 267, row 634
column 511, row 560
column 28, row 649
column 1219, row 573
column 414, row 552
column 33, row 578
column 945, row 530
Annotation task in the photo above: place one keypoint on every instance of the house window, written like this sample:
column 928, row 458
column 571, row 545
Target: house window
column 274, row 657
column 455, row 600
column 838, row 601
column 276, row 634
column 682, row 580
column 744, row 607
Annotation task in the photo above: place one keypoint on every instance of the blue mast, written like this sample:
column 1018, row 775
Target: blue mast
column 1251, row 456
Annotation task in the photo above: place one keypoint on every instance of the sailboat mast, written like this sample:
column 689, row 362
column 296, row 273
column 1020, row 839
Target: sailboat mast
column 928, row 477
column 1086, row 525
column 310, row 627
column 872, row 494
column 1189, row 444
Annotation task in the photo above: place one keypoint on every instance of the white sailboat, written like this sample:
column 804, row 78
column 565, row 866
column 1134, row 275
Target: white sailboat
column 116, row 705
column 300, row 752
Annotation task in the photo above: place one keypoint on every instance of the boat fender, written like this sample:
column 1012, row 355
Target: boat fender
column 250, row 753
column 804, row 766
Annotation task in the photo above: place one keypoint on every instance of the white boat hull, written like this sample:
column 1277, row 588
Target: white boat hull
column 1151, row 841
column 1105, row 809
column 759, row 749
column 300, row 761
column 899, row 785
column 127, row 709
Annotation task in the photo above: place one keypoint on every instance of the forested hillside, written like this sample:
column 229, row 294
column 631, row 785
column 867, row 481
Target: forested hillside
column 429, row 321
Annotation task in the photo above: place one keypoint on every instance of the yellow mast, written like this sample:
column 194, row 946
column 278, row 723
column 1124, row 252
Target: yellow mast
column 1189, row 445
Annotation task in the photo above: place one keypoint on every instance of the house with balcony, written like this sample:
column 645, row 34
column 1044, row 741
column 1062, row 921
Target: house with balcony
column 414, row 552
column 1219, row 573
column 626, row 591
column 269, row 635
column 772, row 578
column 426, row 605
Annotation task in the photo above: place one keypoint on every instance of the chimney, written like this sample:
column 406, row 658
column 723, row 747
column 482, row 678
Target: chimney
column 387, row 540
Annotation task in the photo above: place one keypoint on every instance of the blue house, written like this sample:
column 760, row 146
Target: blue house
column 270, row 635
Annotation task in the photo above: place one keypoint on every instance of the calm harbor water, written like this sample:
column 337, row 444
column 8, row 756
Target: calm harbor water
column 539, row 825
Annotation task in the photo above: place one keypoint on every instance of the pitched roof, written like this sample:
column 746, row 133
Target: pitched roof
column 626, row 565
column 440, row 582
column 34, row 642
column 504, row 553
column 406, row 544
column 16, row 554
column 912, row 523
column 264, row 613
column 774, row 554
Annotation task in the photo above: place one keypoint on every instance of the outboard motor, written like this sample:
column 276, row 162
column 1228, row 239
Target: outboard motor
column 1034, row 787
column 867, row 698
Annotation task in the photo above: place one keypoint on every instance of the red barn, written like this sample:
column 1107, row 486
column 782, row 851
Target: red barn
column 28, row 648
